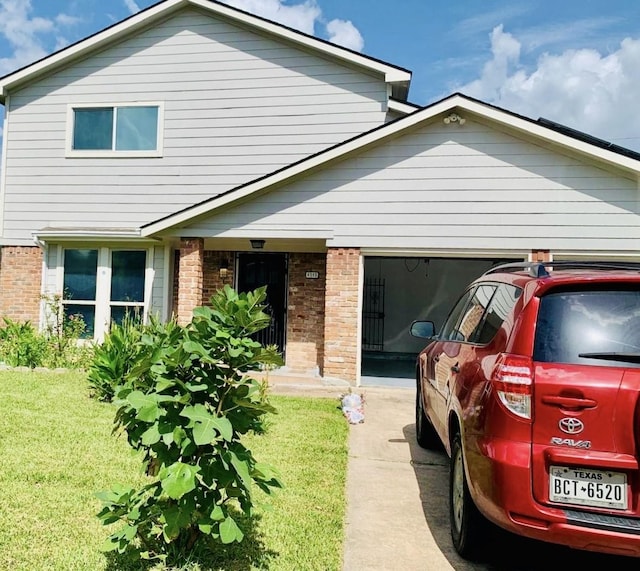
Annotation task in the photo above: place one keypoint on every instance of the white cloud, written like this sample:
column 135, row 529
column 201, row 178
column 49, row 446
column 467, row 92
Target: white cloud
column 583, row 89
column 67, row 20
column 344, row 33
column 22, row 33
column 303, row 16
column 26, row 34
column 132, row 6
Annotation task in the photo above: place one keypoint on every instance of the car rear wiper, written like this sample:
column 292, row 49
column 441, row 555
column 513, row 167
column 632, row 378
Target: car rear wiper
column 612, row 356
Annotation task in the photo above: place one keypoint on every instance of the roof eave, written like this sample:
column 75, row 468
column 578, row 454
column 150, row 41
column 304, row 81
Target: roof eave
column 87, row 234
column 398, row 77
column 456, row 101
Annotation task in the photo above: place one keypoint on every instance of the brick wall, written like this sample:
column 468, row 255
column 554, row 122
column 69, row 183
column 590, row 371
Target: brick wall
column 212, row 280
column 305, row 312
column 20, row 283
column 341, row 327
column 190, row 278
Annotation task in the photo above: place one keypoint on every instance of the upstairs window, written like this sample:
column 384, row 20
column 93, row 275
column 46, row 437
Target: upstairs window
column 131, row 129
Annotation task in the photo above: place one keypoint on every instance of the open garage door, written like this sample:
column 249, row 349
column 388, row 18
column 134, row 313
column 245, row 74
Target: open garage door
column 396, row 292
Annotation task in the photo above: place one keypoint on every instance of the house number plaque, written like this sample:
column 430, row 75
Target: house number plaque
column 312, row 275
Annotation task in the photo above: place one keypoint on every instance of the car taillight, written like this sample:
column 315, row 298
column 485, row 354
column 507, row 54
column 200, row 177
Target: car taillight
column 512, row 379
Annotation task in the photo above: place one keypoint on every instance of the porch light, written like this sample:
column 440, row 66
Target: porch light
column 224, row 268
column 257, row 244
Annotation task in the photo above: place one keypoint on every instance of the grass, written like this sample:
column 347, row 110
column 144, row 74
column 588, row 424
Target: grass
column 57, row 451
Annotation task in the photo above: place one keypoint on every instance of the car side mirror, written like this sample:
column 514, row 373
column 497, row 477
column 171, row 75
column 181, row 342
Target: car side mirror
column 423, row 329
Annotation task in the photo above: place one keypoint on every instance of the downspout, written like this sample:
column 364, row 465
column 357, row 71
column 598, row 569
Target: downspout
column 43, row 281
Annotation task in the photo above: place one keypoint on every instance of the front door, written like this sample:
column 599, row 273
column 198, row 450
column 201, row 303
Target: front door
column 257, row 270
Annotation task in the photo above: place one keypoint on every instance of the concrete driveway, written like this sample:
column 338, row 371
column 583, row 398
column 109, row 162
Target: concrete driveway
column 397, row 514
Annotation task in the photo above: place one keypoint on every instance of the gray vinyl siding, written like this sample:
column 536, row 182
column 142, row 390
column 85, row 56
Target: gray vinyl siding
column 157, row 291
column 460, row 188
column 237, row 105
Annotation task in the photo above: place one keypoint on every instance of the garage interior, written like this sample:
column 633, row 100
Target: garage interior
column 398, row 291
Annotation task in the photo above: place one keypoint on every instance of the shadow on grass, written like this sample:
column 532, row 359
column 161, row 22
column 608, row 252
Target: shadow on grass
column 251, row 553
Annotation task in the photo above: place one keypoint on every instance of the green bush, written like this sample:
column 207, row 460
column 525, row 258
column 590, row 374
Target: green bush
column 114, row 357
column 21, row 345
column 186, row 402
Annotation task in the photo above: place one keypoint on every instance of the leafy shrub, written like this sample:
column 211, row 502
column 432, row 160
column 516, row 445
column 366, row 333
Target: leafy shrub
column 21, row 345
column 63, row 333
column 114, row 357
column 186, row 402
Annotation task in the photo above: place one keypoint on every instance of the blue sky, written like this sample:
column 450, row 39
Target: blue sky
column 576, row 62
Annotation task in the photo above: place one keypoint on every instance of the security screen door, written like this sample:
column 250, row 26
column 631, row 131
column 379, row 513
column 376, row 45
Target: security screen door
column 256, row 270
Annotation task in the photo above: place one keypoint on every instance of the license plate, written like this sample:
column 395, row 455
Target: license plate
column 584, row 487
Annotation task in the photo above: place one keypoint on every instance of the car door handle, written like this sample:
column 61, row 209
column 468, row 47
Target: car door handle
column 455, row 368
column 568, row 402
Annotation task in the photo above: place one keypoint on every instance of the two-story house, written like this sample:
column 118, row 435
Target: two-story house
column 194, row 145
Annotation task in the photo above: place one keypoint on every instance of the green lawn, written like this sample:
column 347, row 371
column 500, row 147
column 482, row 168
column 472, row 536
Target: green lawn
column 56, row 451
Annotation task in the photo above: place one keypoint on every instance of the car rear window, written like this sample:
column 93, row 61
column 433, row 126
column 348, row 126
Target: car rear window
column 587, row 327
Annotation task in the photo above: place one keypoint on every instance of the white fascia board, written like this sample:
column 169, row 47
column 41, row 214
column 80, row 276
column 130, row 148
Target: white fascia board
column 267, row 232
column 392, row 74
column 440, row 253
column 87, row 234
column 403, row 107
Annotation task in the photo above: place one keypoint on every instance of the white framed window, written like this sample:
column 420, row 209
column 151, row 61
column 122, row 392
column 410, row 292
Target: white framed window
column 79, row 289
column 125, row 129
column 127, row 288
column 103, row 285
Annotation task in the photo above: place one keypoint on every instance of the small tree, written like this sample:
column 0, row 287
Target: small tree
column 186, row 403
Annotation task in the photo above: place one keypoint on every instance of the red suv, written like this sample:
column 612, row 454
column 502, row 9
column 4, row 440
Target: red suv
column 533, row 388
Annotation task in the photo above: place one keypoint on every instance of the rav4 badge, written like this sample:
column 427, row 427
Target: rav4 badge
column 571, row 442
column 571, row 425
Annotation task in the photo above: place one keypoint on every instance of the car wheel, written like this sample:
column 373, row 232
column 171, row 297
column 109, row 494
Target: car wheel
column 468, row 526
column 426, row 435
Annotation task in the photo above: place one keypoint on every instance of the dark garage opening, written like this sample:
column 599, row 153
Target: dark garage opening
column 396, row 292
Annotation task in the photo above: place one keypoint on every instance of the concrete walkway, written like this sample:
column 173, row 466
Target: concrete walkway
column 397, row 516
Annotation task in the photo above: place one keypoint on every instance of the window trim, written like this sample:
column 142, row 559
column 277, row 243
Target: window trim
column 103, row 301
column 70, row 152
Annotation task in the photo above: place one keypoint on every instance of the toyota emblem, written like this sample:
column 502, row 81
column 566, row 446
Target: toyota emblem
column 571, row 425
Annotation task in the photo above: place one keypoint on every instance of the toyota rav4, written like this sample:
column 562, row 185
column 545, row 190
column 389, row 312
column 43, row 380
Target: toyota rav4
column 533, row 389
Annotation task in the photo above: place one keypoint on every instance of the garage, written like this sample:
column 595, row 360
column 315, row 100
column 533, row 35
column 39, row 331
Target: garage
column 398, row 290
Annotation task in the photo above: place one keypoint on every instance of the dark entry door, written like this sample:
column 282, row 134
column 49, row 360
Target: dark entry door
column 257, row 270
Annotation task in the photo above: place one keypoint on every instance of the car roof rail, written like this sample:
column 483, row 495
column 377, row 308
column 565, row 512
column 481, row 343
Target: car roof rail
column 541, row 269
column 534, row 269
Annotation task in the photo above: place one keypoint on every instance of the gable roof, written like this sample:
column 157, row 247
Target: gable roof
column 397, row 77
column 547, row 132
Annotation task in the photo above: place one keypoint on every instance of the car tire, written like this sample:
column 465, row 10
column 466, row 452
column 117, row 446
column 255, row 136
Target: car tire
column 468, row 527
column 426, row 435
